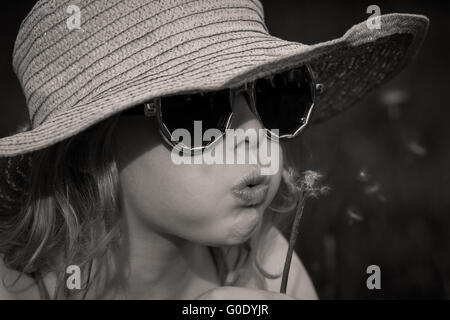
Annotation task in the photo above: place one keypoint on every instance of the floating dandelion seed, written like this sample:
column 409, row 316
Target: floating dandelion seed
column 373, row 188
column 392, row 100
column 416, row 148
column 353, row 215
column 307, row 186
column 394, row 97
column 363, row 175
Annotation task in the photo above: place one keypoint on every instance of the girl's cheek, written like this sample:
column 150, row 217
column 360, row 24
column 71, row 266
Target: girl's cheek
column 277, row 176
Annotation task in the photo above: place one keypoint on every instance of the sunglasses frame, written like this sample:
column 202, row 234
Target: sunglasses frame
column 315, row 88
column 152, row 109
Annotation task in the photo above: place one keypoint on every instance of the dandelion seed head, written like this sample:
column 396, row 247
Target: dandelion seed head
column 308, row 182
column 311, row 186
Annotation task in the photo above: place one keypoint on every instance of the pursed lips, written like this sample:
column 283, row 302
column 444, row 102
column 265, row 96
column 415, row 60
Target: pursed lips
column 252, row 189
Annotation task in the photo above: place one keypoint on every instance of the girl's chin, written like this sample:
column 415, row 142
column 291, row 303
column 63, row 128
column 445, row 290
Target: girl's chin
column 246, row 225
column 235, row 229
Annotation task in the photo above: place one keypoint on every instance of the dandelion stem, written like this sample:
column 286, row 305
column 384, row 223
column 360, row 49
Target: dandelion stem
column 292, row 240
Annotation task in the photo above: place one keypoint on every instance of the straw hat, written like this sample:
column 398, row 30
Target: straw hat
column 129, row 51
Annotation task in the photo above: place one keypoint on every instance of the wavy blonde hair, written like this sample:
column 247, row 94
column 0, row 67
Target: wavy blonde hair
column 69, row 215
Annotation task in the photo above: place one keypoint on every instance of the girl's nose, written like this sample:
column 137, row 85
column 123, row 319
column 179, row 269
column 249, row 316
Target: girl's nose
column 248, row 128
column 243, row 117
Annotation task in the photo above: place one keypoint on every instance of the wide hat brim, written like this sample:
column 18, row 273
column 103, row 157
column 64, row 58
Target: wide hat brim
column 348, row 67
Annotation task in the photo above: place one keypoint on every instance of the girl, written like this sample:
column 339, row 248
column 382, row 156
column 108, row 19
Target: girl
column 94, row 202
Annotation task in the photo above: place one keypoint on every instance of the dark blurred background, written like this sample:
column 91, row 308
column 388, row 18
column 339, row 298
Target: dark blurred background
column 386, row 160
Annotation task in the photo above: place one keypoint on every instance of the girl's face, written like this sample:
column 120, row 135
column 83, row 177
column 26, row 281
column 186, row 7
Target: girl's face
column 195, row 202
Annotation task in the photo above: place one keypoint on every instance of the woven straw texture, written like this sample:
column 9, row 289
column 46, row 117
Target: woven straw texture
column 129, row 51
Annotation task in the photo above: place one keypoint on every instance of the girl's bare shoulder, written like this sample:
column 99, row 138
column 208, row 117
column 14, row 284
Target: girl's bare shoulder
column 13, row 287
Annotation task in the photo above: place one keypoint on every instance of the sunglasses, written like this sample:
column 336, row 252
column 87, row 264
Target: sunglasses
column 283, row 101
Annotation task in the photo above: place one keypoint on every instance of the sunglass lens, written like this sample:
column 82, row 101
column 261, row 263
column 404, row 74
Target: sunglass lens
column 212, row 109
column 284, row 100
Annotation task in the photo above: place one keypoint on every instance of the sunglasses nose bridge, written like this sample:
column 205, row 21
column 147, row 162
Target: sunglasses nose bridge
column 243, row 111
column 245, row 91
